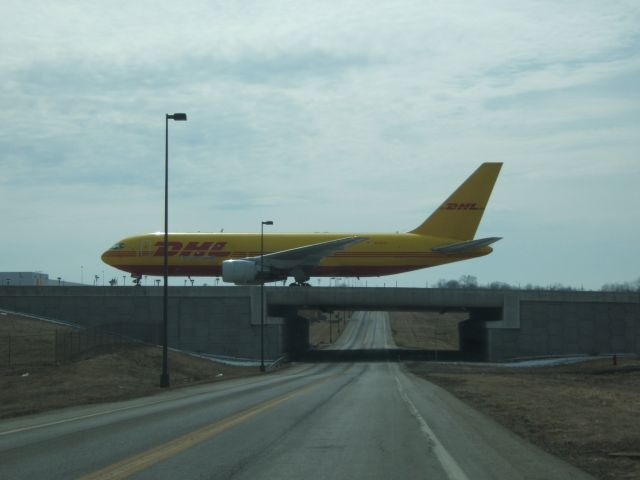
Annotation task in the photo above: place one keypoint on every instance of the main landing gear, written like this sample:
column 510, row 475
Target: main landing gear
column 136, row 280
column 301, row 279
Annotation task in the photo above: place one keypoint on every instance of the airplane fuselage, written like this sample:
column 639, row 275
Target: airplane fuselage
column 202, row 254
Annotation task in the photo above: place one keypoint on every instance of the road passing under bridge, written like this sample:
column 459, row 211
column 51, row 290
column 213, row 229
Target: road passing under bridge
column 333, row 421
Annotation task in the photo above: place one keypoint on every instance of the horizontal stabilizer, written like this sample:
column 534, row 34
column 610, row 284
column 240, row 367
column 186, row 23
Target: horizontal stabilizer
column 466, row 246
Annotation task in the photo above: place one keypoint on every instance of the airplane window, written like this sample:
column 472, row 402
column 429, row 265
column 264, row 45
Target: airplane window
column 118, row 246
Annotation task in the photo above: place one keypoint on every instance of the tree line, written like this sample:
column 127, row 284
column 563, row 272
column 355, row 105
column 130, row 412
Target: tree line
column 470, row 281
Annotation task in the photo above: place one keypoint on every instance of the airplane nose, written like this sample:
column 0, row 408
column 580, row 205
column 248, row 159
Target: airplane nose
column 105, row 257
column 110, row 256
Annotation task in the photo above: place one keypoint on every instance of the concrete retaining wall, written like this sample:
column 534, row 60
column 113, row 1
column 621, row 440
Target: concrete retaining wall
column 568, row 327
column 220, row 321
column 226, row 320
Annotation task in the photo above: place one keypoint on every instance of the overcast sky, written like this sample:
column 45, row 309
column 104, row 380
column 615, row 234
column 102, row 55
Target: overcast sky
column 348, row 116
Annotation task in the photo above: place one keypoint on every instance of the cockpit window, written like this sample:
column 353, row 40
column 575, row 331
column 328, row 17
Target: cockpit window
column 118, row 246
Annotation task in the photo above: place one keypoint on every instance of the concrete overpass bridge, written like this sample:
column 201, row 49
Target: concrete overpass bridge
column 226, row 320
column 502, row 324
column 487, row 305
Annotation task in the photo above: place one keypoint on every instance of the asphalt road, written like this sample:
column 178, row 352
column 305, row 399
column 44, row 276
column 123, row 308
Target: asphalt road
column 366, row 330
column 333, row 421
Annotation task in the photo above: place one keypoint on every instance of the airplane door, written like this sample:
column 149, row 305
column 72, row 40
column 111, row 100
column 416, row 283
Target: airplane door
column 144, row 248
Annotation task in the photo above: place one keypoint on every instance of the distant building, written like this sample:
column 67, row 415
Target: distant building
column 37, row 279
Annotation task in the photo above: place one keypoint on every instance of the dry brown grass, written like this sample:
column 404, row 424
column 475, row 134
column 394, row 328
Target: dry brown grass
column 581, row 412
column 122, row 372
column 108, row 373
column 426, row 330
column 320, row 333
column 25, row 341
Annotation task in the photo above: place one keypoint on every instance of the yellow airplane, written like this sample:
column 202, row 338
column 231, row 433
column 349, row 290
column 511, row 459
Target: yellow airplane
column 445, row 237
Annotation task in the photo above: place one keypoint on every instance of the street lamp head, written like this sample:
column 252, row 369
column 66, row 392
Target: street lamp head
column 268, row 222
column 178, row 117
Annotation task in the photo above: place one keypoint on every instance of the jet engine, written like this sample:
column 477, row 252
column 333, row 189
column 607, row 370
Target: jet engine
column 240, row 271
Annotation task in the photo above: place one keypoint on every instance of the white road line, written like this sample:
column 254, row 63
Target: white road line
column 141, row 402
column 81, row 417
column 449, row 465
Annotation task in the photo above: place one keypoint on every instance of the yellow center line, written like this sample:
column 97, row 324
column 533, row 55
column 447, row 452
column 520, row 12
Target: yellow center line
column 141, row 461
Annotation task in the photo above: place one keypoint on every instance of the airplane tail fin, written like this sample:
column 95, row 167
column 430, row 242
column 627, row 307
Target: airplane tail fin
column 459, row 216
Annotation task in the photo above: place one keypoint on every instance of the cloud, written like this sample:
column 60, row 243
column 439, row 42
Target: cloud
column 326, row 115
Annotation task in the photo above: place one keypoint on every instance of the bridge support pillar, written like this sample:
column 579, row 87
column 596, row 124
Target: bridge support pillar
column 474, row 336
column 296, row 332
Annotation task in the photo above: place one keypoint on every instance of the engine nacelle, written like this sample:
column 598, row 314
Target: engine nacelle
column 240, row 271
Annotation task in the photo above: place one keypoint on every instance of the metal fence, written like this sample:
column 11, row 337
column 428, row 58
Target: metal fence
column 54, row 349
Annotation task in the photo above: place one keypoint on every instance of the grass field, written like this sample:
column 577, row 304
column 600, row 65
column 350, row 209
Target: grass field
column 428, row 330
column 106, row 373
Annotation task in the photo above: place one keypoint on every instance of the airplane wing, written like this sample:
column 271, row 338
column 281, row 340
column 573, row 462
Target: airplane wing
column 466, row 246
column 279, row 265
column 307, row 256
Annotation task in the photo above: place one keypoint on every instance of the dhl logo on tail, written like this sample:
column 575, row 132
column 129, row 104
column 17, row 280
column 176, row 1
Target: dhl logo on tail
column 460, row 206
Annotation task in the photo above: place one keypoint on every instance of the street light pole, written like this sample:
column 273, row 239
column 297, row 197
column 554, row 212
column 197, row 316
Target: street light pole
column 267, row 222
column 164, row 378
